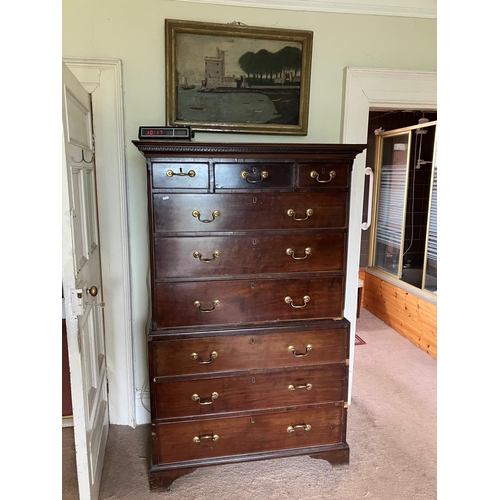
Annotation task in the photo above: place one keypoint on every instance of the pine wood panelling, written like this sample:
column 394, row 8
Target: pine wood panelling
column 361, row 276
column 414, row 318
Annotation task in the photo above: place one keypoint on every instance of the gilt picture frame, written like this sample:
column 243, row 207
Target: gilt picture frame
column 237, row 78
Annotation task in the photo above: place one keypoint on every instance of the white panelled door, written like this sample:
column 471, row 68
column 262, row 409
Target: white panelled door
column 81, row 275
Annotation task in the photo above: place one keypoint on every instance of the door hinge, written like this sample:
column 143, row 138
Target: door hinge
column 79, row 340
column 347, row 362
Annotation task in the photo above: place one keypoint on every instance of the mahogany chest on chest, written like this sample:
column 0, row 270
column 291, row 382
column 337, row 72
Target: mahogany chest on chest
column 249, row 347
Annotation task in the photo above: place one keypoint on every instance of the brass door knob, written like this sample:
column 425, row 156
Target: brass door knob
column 92, row 290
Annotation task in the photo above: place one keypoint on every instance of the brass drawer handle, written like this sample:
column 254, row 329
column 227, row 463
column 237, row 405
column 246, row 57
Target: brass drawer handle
column 206, row 401
column 209, row 437
column 293, row 428
column 171, row 173
column 291, row 252
column 213, row 355
column 215, row 303
column 263, row 175
column 291, row 213
column 196, row 213
column 315, row 175
column 306, row 299
column 198, row 255
column 293, row 387
column 308, row 350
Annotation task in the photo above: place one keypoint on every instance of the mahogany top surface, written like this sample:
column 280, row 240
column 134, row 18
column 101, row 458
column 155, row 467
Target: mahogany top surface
column 156, row 148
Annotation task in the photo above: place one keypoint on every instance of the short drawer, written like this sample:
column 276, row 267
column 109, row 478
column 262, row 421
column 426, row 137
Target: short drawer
column 174, row 175
column 324, row 175
column 219, row 437
column 253, row 175
column 224, row 302
column 253, row 349
column 247, row 211
column 255, row 391
column 252, row 253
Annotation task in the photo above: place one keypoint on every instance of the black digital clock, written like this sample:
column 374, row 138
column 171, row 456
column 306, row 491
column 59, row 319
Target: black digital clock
column 165, row 133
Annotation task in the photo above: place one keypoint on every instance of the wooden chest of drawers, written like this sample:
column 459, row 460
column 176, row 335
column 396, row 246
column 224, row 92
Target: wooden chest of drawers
column 249, row 347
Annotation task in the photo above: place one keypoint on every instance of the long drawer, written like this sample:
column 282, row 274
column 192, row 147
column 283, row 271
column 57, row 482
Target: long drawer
column 255, row 391
column 252, row 253
column 219, row 437
column 225, row 302
column 175, row 212
column 249, row 350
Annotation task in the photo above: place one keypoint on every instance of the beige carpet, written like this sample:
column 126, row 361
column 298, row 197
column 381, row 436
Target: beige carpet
column 391, row 432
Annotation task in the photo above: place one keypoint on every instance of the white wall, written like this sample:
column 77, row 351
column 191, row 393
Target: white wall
column 133, row 31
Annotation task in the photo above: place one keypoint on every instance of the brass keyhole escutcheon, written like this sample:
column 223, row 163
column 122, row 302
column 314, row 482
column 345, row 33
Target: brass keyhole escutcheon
column 92, row 291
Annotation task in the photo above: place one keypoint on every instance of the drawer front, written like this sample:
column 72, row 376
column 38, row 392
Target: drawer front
column 253, row 175
column 213, row 256
column 249, row 351
column 243, row 211
column 247, row 301
column 184, row 441
column 256, row 391
column 179, row 175
column 324, row 175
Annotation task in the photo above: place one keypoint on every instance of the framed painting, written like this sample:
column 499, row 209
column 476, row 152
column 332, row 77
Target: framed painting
column 237, row 78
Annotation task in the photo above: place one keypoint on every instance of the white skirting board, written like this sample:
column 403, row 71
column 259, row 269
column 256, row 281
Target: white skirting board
column 67, row 422
column 142, row 407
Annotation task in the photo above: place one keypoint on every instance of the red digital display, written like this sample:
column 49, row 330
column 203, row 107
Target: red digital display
column 165, row 133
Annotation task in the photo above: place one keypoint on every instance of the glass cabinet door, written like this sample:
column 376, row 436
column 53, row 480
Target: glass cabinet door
column 430, row 263
column 391, row 192
column 403, row 238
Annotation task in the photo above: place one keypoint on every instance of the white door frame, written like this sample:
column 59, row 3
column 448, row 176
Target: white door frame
column 366, row 89
column 102, row 78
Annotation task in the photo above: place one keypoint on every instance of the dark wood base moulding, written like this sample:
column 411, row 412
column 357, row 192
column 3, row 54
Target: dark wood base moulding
column 162, row 477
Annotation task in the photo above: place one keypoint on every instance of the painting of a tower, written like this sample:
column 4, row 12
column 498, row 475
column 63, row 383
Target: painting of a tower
column 215, row 72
